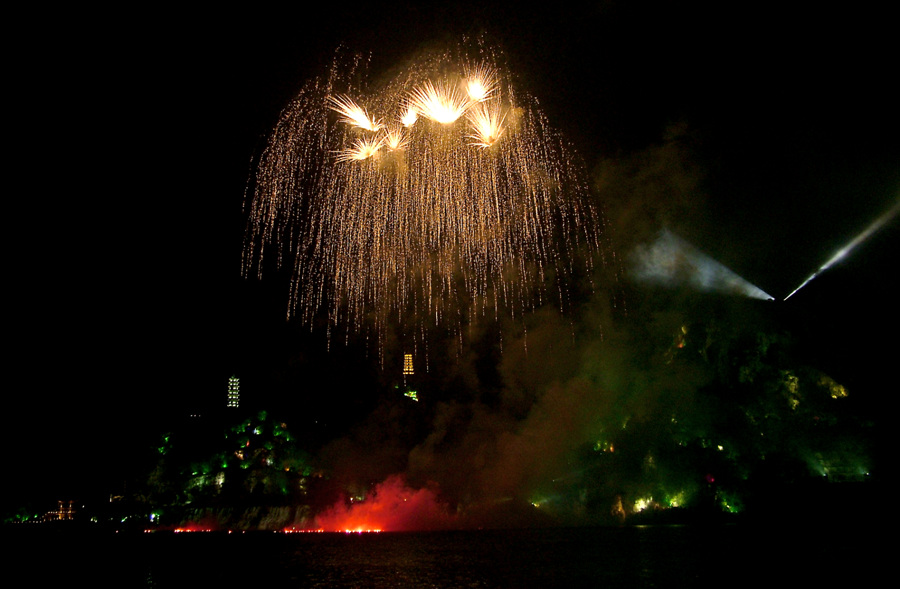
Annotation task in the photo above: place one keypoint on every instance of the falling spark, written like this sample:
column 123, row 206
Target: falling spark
column 420, row 226
column 845, row 251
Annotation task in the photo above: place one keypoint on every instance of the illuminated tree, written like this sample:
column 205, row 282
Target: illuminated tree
column 256, row 460
column 720, row 414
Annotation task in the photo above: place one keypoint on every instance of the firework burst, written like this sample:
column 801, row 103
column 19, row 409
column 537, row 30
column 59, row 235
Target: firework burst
column 443, row 103
column 363, row 149
column 481, row 82
column 486, row 121
column 353, row 113
column 467, row 206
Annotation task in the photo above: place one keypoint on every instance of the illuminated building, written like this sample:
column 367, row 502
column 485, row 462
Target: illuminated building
column 65, row 511
column 234, row 392
column 407, row 372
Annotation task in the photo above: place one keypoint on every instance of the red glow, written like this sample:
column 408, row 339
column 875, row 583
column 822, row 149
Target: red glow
column 390, row 506
column 193, row 527
column 205, row 524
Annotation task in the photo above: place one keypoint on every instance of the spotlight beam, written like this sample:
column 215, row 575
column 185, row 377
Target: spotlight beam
column 671, row 261
column 851, row 245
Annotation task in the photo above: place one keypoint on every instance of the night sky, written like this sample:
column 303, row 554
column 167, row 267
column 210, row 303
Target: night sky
column 133, row 142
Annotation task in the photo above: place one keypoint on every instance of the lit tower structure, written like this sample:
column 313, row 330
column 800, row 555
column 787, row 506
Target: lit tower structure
column 407, row 372
column 234, row 392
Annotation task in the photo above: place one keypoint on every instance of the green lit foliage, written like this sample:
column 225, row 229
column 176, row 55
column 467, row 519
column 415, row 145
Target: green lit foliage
column 21, row 515
column 713, row 412
column 264, row 460
column 783, row 411
column 257, row 460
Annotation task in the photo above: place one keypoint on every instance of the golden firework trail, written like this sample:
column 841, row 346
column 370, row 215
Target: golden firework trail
column 467, row 205
column 486, row 121
column 353, row 113
column 363, row 149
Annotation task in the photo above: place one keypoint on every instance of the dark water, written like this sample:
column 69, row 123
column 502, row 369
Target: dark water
column 664, row 556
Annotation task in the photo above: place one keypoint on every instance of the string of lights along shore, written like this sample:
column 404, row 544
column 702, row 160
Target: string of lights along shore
column 434, row 198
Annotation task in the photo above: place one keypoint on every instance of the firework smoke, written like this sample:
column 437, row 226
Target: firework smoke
column 432, row 199
column 390, row 506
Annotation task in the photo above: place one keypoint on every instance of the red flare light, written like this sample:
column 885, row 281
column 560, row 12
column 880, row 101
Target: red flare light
column 391, row 506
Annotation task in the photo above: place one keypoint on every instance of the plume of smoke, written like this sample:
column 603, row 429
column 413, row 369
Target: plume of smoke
column 491, row 447
column 391, row 505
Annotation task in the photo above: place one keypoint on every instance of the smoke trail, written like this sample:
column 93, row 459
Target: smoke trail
column 845, row 251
